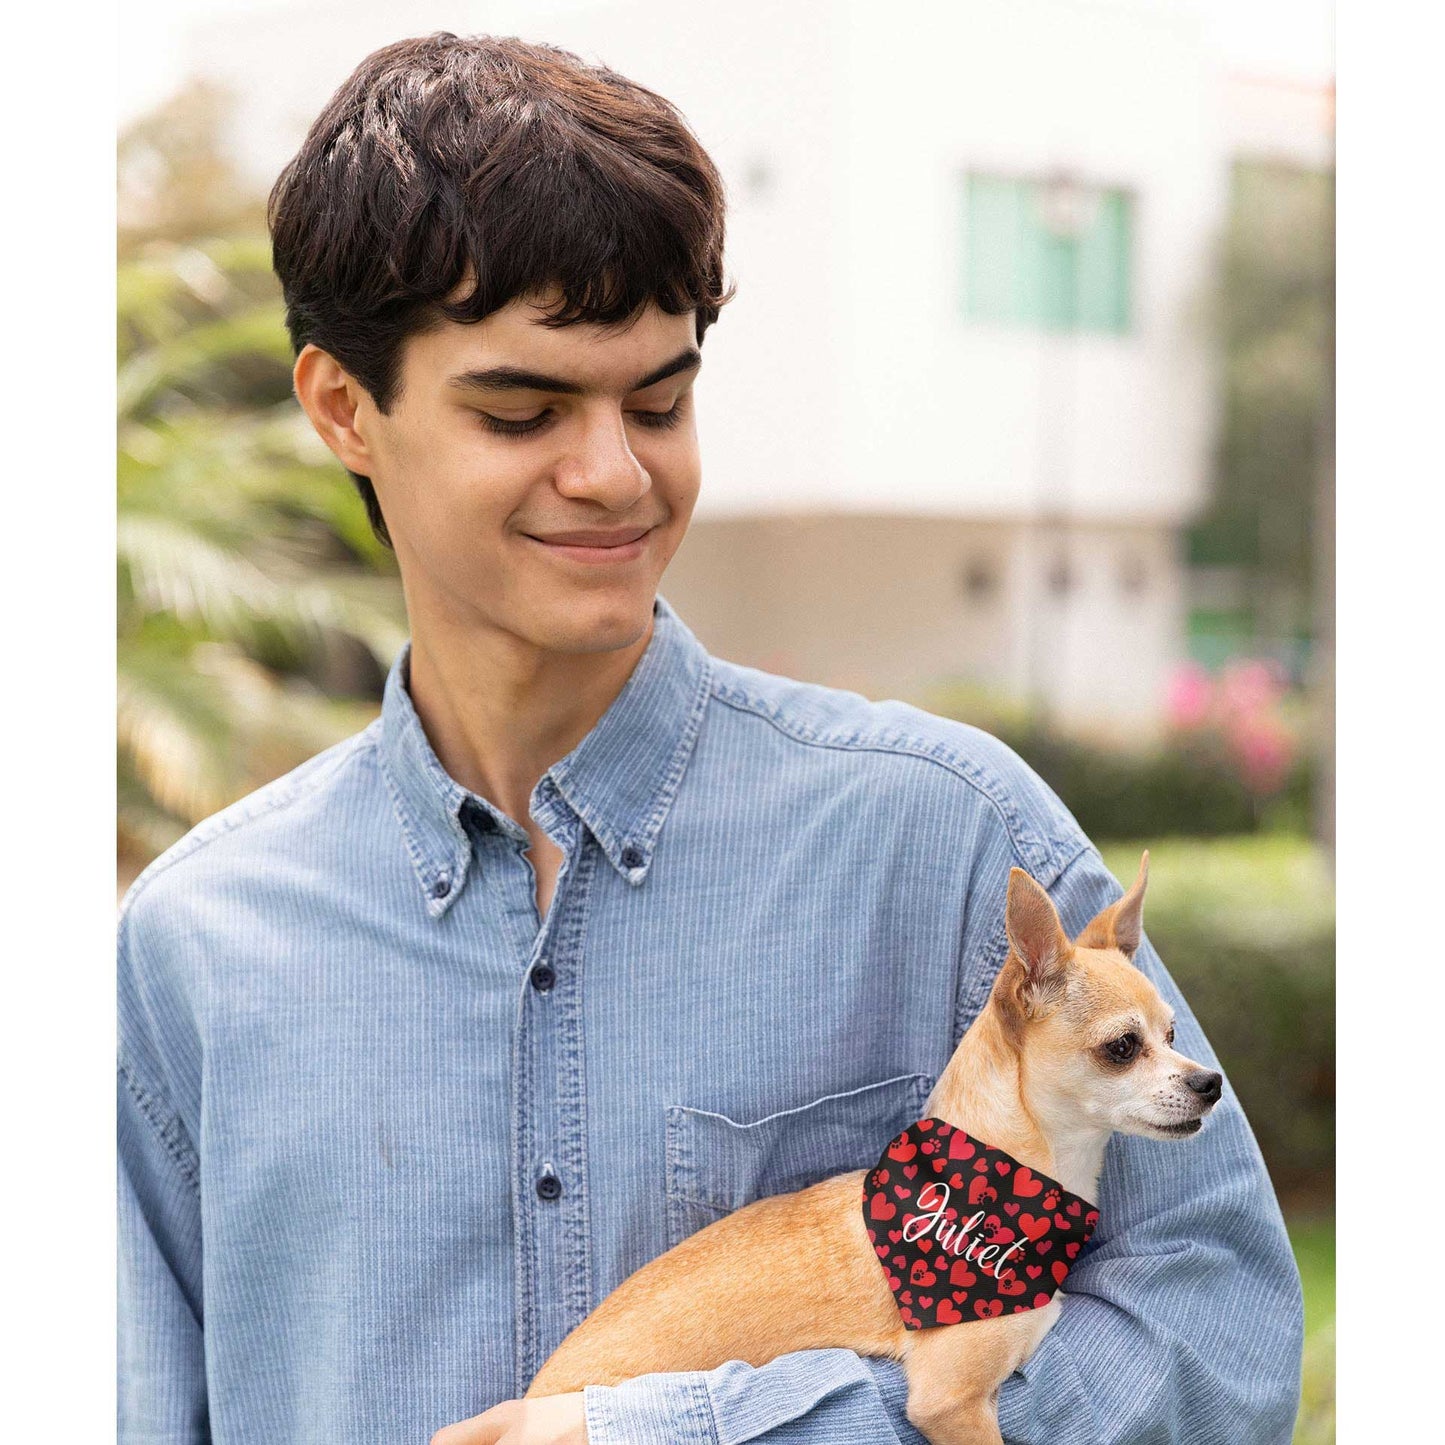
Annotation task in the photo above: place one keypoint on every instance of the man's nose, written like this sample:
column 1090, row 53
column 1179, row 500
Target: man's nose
column 604, row 468
column 1207, row 1084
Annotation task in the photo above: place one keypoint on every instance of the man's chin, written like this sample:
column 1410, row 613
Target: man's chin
column 589, row 622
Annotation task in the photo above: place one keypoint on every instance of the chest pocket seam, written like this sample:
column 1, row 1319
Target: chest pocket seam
column 716, row 1164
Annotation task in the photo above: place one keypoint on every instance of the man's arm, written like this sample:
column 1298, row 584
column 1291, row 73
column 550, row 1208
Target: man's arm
column 1182, row 1322
column 160, row 1354
column 161, row 1386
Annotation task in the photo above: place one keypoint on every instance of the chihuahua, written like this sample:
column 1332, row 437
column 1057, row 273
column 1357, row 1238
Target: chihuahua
column 1073, row 1044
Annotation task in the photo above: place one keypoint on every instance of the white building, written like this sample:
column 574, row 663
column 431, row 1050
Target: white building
column 961, row 406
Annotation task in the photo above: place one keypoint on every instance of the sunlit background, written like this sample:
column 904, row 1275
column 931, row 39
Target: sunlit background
column 1023, row 413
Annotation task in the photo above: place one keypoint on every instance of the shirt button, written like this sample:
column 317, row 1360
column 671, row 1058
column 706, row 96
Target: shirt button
column 549, row 1186
column 543, row 977
column 442, row 886
column 631, row 857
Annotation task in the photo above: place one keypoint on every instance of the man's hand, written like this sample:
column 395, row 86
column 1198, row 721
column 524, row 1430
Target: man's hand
column 549, row 1420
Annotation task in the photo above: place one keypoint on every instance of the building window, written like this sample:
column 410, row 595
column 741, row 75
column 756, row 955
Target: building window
column 1047, row 252
column 1133, row 574
column 980, row 581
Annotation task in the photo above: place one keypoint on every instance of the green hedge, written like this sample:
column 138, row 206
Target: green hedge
column 1246, row 928
column 1184, row 788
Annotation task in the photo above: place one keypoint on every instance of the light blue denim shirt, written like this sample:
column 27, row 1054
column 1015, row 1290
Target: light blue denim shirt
column 386, row 1136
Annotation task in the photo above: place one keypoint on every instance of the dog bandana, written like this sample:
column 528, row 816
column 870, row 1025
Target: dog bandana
column 964, row 1231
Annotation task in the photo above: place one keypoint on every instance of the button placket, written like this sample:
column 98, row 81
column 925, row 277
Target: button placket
column 550, row 1092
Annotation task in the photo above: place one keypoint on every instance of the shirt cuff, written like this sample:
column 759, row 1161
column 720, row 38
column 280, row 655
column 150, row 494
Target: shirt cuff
column 670, row 1409
column 832, row 1396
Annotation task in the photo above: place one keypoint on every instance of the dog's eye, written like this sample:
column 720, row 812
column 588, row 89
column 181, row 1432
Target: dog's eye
column 1169, row 1037
column 1123, row 1048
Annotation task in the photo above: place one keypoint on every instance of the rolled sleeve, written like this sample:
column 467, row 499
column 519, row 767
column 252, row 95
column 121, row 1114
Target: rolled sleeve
column 809, row 1395
column 1184, row 1320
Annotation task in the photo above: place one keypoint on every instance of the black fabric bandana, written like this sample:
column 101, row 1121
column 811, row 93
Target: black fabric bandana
column 964, row 1231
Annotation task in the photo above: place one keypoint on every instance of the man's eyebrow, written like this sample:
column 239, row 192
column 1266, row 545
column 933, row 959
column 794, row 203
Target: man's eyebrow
column 513, row 378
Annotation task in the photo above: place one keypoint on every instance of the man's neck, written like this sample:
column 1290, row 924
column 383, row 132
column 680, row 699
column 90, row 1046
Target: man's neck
column 499, row 711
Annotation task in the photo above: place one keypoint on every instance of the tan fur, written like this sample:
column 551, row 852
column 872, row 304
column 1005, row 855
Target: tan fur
column 747, row 1287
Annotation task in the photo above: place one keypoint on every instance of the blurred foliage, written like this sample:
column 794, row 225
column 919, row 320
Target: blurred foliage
column 1313, row 1237
column 1196, row 782
column 1276, row 293
column 1246, row 928
column 257, row 613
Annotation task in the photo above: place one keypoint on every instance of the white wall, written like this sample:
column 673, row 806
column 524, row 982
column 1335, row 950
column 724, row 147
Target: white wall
column 843, row 375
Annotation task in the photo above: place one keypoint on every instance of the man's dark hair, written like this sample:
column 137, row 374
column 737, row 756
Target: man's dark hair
column 519, row 165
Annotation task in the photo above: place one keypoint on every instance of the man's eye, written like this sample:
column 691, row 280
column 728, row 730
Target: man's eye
column 1123, row 1048
column 502, row 427
column 660, row 419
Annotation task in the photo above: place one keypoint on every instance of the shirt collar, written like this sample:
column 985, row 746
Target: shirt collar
column 620, row 780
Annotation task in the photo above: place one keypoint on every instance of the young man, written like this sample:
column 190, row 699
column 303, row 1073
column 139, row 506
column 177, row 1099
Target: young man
column 591, row 937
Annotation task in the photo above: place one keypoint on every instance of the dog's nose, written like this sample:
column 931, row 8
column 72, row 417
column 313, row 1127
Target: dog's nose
column 1207, row 1085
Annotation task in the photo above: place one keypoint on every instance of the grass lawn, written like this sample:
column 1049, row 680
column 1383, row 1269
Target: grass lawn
column 1313, row 1237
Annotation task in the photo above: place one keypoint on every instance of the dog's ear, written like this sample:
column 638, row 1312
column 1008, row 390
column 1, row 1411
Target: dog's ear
column 1038, row 940
column 1121, row 924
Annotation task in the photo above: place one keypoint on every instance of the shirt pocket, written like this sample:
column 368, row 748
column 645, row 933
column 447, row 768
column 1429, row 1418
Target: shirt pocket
column 716, row 1164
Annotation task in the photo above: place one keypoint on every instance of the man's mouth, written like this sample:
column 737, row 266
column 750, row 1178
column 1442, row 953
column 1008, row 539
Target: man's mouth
column 620, row 544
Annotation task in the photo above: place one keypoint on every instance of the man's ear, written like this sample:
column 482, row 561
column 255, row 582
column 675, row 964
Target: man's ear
column 330, row 398
column 1037, row 939
column 1121, row 924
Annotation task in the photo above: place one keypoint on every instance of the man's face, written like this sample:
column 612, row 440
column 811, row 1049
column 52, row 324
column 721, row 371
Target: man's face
column 509, row 436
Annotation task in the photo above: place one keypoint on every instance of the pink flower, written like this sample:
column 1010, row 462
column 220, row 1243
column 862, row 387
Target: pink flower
column 1249, row 687
column 1264, row 752
column 1190, row 693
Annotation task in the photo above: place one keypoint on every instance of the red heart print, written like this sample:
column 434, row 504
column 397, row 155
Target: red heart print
column 909, row 1170
column 1002, row 1165
column 1032, row 1228
column 960, row 1147
column 979, row 1191
column 1061, row 1271
column 947, row 1315
column 1033, row 1270
column 926, row 1300
column 1074, row 1209
column 880, row 1208
column 902, row 1149
column 921, row 1274
column 1072, row 1250
column 1012, row 1207
column 1040, row 1300
column 962, row 1275
column 1026, row 1185
column 987, row 1309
